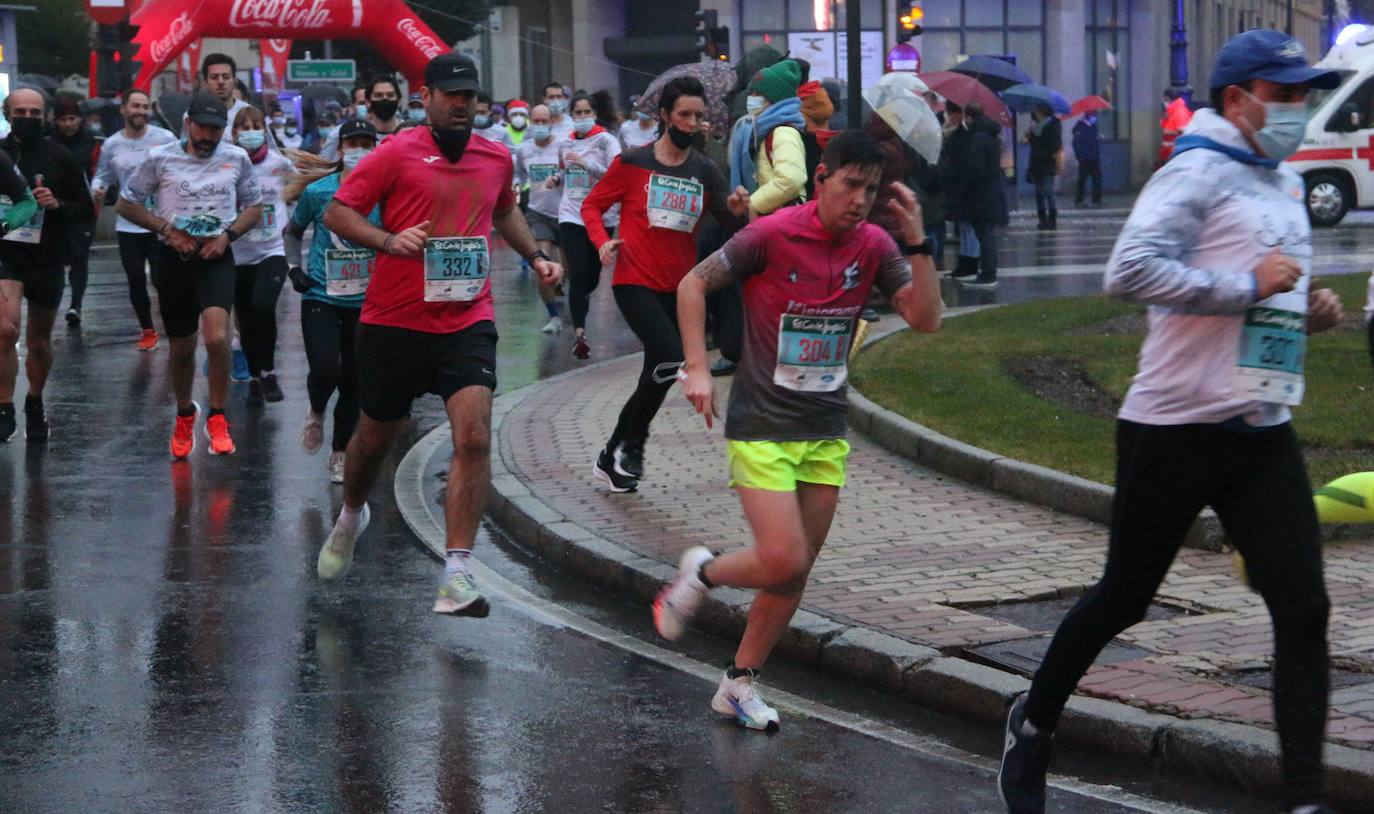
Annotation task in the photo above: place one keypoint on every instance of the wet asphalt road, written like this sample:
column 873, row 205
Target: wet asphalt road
column 165, row 645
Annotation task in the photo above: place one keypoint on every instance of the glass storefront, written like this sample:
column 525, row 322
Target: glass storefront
column 814, row 30
column 1107, row 62
column 957, row 28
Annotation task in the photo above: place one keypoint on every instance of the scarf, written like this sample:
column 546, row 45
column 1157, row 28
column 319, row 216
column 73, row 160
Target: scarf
column 1192, row 142
column 751, row 132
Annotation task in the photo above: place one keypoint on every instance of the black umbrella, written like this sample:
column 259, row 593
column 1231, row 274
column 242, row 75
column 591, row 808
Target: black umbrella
column 997, row 74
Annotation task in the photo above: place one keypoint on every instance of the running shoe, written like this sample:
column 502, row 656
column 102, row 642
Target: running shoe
column 148, row 341
column 679, row 600
column 239, row 372
column 739, row 698
column 270, row 389
column 604, row 469
column 336, row 466
column 217, row 431
column 184, row 434
column 981, row 281
column 582, row 350
column 628, row 459
column 723, row 367
column 36, row 427
column 458, row 596
column 1025, row 760
column 553, row 326
column 73, row 317
column 255, row 396
column 312, row 432
column 8, row 424
column 336, row 555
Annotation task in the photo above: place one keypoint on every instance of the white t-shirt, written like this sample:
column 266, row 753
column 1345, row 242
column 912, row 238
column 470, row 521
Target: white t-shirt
column 185, row 187
column 534, row 164
column 632, row 135
column 264, row 240
column 120, row 156
column 598, row 152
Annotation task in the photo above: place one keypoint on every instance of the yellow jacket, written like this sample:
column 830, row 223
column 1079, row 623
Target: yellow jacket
column 782, row 180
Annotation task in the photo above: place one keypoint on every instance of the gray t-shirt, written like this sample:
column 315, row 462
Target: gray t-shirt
column 120, row 156
column 199, row 195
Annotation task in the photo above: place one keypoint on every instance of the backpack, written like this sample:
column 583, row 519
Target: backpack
column 813, row 156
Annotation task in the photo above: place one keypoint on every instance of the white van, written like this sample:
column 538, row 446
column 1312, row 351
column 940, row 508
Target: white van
column 1337, row 154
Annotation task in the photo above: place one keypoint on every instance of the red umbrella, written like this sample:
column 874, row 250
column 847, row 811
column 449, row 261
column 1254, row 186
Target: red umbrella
column 961, row 90
column 1088, row 104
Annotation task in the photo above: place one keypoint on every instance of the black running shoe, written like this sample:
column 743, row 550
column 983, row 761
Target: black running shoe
column 36, row 423
column 981, row 281
column 8, row 424
column 1025, row 760
column 628, row 459
column 604, row 469
column 270, row 389
column 255, row 394
column 73, row 317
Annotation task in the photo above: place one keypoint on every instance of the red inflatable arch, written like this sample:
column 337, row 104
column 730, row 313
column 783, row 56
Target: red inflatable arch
column 166, row 27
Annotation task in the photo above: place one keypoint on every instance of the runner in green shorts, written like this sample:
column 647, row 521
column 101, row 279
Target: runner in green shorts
column 806, row 273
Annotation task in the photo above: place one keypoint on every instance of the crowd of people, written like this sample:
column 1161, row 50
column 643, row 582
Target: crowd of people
column 772, row 231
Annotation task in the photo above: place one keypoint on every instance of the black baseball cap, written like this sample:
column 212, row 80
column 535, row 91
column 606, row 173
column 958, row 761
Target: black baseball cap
column 207, row 110
column 450, row 72
column 357, row 127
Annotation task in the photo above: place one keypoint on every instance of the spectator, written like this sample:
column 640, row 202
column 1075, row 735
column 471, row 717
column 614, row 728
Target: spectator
column 951, row 161
column 1176, row 117
column 767, row 154
column 754, row 61
column 1046, row 152
column 1087, row 149
column 978, row 183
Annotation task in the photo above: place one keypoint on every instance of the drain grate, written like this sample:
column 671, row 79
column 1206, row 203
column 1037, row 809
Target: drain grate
column 1044, row 615
column 1263, row 679
column 1023, row 656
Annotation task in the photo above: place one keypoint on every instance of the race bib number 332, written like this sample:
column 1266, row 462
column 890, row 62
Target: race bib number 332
column 456, row 268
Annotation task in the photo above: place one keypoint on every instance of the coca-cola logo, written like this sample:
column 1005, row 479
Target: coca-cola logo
column 280, row 46
column 424, row 42
column 294, row 14
column 179, row 30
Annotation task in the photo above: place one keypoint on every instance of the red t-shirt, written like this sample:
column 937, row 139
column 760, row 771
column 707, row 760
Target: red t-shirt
column 412, row 182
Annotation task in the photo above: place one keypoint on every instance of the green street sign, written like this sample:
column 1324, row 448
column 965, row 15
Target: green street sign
column 321, row 70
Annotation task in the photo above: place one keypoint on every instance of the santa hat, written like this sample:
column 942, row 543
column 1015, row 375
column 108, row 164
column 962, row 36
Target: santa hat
column 517, row 104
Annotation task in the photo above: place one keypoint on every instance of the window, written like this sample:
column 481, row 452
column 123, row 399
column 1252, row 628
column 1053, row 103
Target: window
column 762, row 15
column 1107, row 64
column 993, row 27
column 1355, row 113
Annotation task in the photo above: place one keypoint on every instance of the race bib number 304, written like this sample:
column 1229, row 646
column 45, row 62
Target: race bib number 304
column 813, row 353
column 347, row 271
column 674, row 203
column 1269, row 365
column 456, row 268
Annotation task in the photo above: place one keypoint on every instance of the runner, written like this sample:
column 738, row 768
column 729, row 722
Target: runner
column 428, row 319
column 415, row 109
column 382, row 108
column 1220, row 248
column 218, row 71
column 556, row 97
column 331, row 290
column 807, row 272
column 663, row 190
column 260, row 260
column 484, row 123
column 640, row 129
column 536, row 161
column 31, row 257
column 583, row 158
column 517, row 123
column 206, row 196
column 120, row 156
column 70, row 131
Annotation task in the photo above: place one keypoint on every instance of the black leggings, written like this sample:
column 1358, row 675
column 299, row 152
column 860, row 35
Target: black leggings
column 1258, row 485
column 584, row 269
column 331, row 347
column 79, row 259
column 652, row 315
column 256, row 288
column 138, row 250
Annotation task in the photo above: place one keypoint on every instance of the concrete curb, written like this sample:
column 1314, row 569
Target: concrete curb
column 921, row 674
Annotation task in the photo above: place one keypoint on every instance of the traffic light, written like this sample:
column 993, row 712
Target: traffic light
column 712, row 40
column 910, row 22
column 720, row 43
column 129, row 66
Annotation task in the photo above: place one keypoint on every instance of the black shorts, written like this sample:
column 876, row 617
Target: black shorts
column 185, row 288
column 43, row 282
column 397, row 366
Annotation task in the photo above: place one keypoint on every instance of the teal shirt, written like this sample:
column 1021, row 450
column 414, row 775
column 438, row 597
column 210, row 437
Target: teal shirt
column 310, row 212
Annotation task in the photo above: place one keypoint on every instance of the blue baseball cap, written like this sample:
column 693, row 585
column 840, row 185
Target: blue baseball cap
column 1270, row 55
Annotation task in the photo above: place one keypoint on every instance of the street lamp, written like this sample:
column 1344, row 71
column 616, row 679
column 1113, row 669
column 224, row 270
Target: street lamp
column 1178, row 51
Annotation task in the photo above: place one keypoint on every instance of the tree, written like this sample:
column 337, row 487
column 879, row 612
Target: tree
column 55, row 40
column 452, row 20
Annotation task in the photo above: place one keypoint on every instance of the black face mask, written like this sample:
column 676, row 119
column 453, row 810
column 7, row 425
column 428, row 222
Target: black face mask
column 383, row 109
column 681, row 139
column 452, row 141
column 28, row 131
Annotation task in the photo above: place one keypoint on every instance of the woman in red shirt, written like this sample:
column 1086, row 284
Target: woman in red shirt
column 662, row 189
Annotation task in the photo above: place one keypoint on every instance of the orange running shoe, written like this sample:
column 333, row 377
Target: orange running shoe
column 148, row 341
column 184, row 435
column 217, row 430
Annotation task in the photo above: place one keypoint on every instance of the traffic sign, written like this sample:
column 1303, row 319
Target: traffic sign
column 321, row 70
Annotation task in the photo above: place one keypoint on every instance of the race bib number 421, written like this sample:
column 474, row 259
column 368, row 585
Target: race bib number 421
column 813, row 353
column 347, row 271
column 456, row 268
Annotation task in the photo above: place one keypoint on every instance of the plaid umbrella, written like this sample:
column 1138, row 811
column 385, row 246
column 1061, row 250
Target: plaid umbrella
column 961, row 89
column 717, row 77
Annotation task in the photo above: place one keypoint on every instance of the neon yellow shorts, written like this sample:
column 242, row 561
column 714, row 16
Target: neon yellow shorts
column 778, row 466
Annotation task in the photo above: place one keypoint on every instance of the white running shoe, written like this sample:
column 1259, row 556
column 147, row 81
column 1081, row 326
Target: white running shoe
column 336, row 555
column 553, row 326
column 679, row 600
column 336, row 466
column 458, row 596
column 739, row 698
column 312, row 433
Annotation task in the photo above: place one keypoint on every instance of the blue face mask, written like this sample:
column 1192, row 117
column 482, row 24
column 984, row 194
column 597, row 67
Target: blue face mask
column 540, row 131
column 558, row 107
column 251, row 140
column 481, row 122
column 360, row 111
column 353, row 155
column 583, row 126
column 754, row 104
column 1285, row 126
column 416, row 114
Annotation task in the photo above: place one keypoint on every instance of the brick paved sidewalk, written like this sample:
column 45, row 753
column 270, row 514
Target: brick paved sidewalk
column 937, row 562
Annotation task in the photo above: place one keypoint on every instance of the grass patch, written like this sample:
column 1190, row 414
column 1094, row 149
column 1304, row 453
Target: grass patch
column 957, row 382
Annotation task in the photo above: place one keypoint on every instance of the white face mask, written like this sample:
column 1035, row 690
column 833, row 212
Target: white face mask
column 518, row 121
column 583, row 126
column 353, row 155
column 754, row 104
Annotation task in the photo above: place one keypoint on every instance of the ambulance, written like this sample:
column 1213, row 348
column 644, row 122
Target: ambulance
column 1337, row 155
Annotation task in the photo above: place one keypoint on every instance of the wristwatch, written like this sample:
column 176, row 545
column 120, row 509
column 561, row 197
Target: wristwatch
column 231, row 234
column 909, row 249
column 538, row 255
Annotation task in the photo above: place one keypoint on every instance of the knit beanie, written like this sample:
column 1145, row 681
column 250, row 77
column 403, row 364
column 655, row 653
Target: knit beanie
column 816, row 106
column 777, row 82
column 66, row 105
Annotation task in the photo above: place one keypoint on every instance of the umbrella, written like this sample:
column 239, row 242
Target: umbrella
column 717, row 77
column 996, row 73
column 1024, row 98
column 1088, row 104
column 962, row 89
column 894, row 98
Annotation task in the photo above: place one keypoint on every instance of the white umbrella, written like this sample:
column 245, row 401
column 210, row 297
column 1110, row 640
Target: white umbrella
column 896, row 98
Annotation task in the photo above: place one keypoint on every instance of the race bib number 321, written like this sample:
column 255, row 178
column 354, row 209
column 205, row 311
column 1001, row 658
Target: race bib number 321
column 456, row 268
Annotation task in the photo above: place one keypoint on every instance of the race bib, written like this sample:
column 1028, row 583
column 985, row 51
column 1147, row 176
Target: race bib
column 200, row 225
column 675, row 203
column 456, row 268
column 31, row 232
column 267, row 225
column 577, row 182
column 813, row 353
column 347, row 271
column 1273, row 346
column 539, row 173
